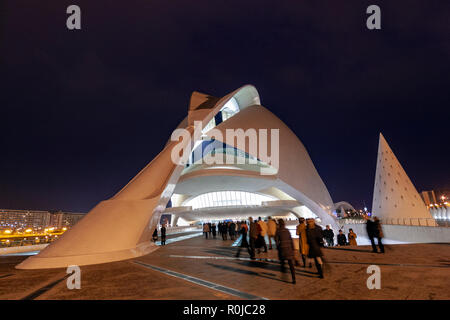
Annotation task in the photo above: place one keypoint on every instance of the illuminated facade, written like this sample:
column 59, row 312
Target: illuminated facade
column 247, row 183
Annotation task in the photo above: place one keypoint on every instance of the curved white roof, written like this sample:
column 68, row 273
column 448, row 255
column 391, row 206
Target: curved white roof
column 121, row 227
column 344, row 205
column 296, row 174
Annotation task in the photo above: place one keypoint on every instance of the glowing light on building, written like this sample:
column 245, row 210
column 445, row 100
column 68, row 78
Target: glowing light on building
column 227, row 198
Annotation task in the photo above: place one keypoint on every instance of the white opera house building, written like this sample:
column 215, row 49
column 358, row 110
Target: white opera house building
column 247, row 184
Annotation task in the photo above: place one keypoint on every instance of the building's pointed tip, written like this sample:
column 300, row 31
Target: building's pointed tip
column 382, row 141
column 201, row 101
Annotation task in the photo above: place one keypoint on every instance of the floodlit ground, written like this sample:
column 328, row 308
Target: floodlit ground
column 197, row 268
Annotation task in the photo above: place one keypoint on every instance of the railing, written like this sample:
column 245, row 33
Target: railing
column 443, row 223
column 173, row 230
column 351, row 221
column 23, row 242
column 417, row 222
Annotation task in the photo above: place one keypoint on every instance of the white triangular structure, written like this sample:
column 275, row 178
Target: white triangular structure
column 395, row 199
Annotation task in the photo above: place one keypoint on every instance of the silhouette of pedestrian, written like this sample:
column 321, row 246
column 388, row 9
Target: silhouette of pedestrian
column 253, row 236
column 163, row 235
column 374, row 230
column 224, row 230
column 302, row 240
column 341, row 239
column 244, row 243
column 271, row 231
column 329, row 236
column 232, row 230
column 378, row 233
column 262, row 233
column 314, row 235
column 213, row 227
column 205, row 230
column 285, row 248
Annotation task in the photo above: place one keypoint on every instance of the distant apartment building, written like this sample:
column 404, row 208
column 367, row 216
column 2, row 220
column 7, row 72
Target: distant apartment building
column 62, row 219
column 24, row 218
column 38, row 218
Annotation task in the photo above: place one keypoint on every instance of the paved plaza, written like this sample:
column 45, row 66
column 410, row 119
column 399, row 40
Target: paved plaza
column 196, row 268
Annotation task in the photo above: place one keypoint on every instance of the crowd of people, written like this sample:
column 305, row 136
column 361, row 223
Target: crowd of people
column 253, row 239
column 374, row 231
column 311, row 238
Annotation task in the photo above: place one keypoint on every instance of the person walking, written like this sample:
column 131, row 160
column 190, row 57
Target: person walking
column 314, row 234
column 370, row 228
column 262, row 233
column 155, row 235
column 244, row 243
column 378, row 233
column 285, row 248
column 352, row 238
column 341, row 239
column 210, row 228
column 232, row 230
column 271, row 231
column 205, row 230
column 213, row 227
column 224, row 230
column 253, row 235
column 163, row 235
column 302, row 240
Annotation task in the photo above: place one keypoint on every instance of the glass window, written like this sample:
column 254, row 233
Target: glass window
column 211, row 124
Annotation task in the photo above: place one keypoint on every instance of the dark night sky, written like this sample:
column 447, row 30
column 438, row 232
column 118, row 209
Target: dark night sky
column 83, row 111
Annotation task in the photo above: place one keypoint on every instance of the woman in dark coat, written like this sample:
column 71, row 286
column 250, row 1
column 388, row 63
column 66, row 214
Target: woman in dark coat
column 163, row 235
column 224, row 230
column 232, row 230
column 378, row 233
column 244, row 243
column 314, row 235
column 213, row 229
column 285, row 247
